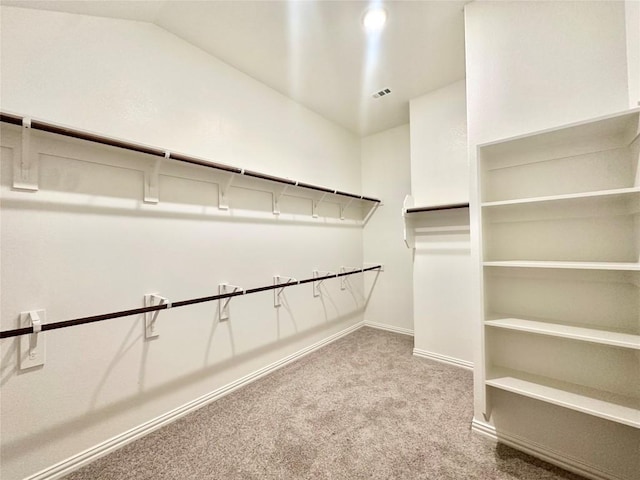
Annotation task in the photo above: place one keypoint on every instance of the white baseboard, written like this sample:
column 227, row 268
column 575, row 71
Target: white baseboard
column 456, row 362
column 389, row 328
column 538, row 451
column 79, row 460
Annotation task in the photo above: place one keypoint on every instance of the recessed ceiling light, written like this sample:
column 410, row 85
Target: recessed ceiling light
column 374, row 19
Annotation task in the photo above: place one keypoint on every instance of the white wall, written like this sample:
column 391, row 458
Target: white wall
column 632, row 15
column 86, row 244
column 135, row 81
column 385, row 171
column 441, row 268
column 533, row 66
column 439, row 163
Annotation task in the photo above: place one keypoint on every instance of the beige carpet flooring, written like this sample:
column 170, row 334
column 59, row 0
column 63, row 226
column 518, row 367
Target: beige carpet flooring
column 360, row 408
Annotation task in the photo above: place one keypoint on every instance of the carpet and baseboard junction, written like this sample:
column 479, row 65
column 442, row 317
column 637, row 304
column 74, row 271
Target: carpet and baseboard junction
column 362, row 407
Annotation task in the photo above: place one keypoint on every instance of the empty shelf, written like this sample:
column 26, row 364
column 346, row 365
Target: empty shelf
column 622, row 192
column 605, row 337
column 609, row 406
column 631, row 266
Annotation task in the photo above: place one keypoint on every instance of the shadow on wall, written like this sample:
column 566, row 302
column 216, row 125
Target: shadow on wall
column 92, row 417
column 158, row 211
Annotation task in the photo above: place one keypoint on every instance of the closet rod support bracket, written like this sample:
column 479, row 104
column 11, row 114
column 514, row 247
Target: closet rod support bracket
column 223, row 304
column 25, row 166
column 152, row 180
column 277, row 280
column 32, row 347
column 223, row 192
column 316, row 204
column 277, row 195
column 150, row 324
column 343, row 279
column 316, row 285
column 343, row 208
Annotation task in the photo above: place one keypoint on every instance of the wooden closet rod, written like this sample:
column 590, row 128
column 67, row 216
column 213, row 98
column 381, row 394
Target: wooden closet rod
column 113, row 142
column 165, row 306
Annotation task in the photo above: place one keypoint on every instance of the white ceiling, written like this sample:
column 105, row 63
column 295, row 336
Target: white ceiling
column 315, row 52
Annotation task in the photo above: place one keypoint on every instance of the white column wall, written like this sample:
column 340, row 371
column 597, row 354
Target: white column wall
column 533, row 66
column 632, row 15
column 443, row 315
column 385, row 172
column 86, row 244
column 439, row 163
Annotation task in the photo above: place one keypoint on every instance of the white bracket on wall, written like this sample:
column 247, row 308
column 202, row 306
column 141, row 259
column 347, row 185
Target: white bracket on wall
column 25, row 166
column 223, row 192
column 343, row 279
column 343, row 208
column 32, row 347
column 371, row 212
column 278, row 291
column 277, row 195
column 223, row 303
column 150, row 300
column 316, row 285
column 152, row 179
column 408, row 234
column 367, row 265
column 315, row 205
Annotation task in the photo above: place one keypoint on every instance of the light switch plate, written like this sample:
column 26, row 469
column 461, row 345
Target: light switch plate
column 32, row 346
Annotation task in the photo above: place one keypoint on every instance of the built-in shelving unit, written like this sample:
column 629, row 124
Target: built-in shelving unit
column 559, row 228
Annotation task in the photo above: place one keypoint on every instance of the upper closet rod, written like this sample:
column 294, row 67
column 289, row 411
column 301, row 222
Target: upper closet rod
column 136, row 311
column 450, row 206
column 92, row 137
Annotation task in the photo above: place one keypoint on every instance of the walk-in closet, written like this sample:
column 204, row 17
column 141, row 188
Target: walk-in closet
column 314, row 239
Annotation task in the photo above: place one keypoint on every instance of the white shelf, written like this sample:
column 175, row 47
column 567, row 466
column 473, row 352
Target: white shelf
column 609, row 406
column 620, row 192
column 628, row 266
column 604, row 337
column 611, row 125
column 444, row 229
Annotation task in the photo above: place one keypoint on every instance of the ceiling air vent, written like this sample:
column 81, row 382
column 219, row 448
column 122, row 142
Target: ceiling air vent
column 381, row 93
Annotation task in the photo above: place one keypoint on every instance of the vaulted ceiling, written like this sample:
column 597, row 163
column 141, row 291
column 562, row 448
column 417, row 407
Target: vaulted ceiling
column 315, row 52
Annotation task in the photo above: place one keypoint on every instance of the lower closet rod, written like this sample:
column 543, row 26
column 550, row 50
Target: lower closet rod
column 137, row 311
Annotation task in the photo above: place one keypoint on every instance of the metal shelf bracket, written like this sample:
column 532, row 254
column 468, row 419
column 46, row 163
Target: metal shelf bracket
column 408, row 233
column 277, row 195
column 343, row 208
column 277, row 280
column 343, row 279
column 316, row 284
column 223, row 303
column 151, row 300
column 315, row 205
column 25, row 166
column 152, row 180
column 32, row 347
column 223, row 192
